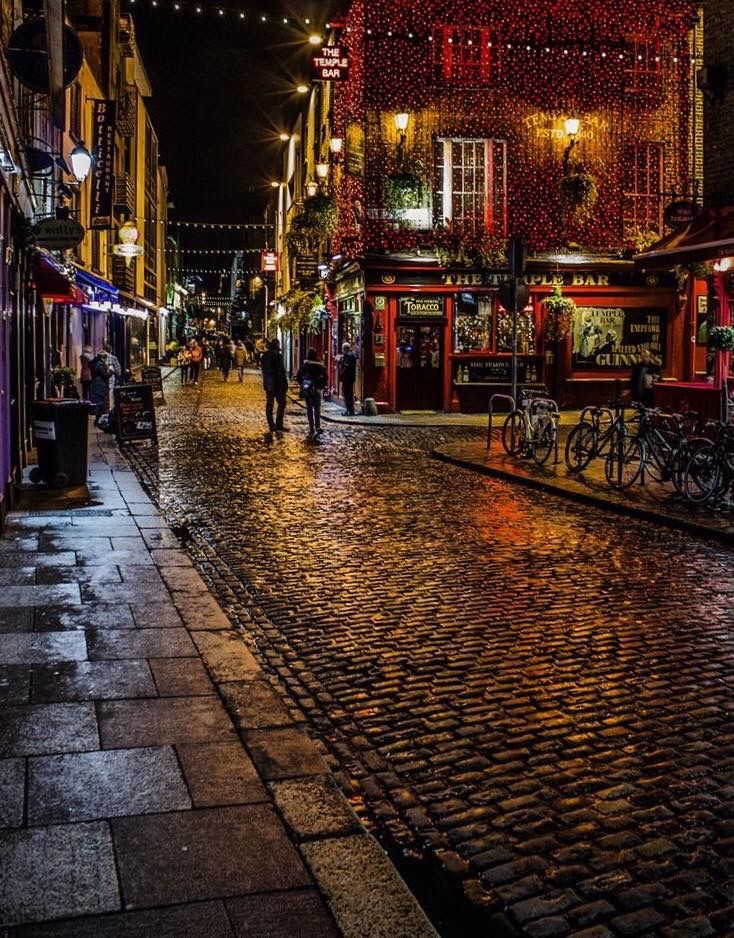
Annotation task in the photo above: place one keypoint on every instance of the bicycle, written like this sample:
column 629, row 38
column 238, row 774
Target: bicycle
column 589, row 439
column 531, row 430
column 709, row 471
column 660, row 447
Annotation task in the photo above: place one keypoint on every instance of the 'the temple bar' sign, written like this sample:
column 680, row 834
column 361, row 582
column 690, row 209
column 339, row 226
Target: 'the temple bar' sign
column 330, row 63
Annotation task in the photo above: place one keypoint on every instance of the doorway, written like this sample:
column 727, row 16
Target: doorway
column 419, row 358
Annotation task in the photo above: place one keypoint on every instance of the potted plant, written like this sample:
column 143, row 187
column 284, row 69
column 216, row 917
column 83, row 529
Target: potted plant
column 579, row 191
column 64, row 381
column 721, row 338
column 558, row 315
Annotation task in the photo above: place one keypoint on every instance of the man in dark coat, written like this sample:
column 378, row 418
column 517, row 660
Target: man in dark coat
column 312, row 379
column 275, row 383
column 347, row 377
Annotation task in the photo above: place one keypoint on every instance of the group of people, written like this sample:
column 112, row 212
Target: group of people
column 312, row 380
column 98, row 374
column 225, row 354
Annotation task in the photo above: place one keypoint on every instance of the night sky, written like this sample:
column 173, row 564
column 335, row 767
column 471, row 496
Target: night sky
column 221, row 93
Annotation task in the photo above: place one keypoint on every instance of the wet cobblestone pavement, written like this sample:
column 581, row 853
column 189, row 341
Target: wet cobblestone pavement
column 534, row 696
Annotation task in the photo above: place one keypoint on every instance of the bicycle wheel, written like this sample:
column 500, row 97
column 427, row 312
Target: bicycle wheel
column 545, row 440
column 514, row 433
column 702, row 474
column 624, row 461
column 580, row 447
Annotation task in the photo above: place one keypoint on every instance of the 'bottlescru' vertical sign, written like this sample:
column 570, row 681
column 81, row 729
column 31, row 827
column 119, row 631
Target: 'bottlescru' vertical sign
column 103, row 144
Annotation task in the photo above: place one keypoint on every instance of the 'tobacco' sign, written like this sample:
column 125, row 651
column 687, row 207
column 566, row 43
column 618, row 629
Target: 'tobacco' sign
column 330, row 63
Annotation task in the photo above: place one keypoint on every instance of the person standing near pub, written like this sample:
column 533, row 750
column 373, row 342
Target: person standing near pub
column 347, row 377
column 196, row 355
column 275, row 384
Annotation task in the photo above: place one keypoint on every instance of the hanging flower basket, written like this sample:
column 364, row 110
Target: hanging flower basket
column 579, row 192
column 558, row 313
column 721, row 338
column 315, row 223
column 403, row 191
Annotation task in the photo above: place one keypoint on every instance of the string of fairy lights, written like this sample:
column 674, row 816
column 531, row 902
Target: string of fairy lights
column 221, row 12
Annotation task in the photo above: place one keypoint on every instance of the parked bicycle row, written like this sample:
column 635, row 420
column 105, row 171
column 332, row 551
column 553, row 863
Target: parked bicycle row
column 636, row 444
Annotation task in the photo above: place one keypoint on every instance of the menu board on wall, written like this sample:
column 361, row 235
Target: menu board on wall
column 611, row 338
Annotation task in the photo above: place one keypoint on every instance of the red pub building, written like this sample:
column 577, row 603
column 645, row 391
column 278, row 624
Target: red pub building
column 460, row 124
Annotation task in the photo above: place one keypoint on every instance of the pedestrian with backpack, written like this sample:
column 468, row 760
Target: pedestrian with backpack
column 312, row 379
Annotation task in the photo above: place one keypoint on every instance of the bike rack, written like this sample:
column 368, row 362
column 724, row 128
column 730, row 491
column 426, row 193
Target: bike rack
column 492, row 399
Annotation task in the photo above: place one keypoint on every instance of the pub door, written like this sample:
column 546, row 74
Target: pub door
column 419, row 359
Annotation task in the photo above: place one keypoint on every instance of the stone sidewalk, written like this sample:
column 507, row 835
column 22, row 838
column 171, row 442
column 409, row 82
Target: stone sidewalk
column 152, row 783
column 650, row 502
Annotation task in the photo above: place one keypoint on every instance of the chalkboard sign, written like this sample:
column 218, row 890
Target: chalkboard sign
column 153, row 377
column 135, row 413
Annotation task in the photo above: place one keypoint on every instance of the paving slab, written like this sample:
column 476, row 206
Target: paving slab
column 23, row 576
column 301, row 913
column 254, row 704
column 226, row 655
column 362, row 886
column 89, row 616
column 12, row 792
column 122, row 592
column 195, row 920
column 39, row 595
column 36, row 729
column 184, row 580
column 72, row 540
column 15, row 683
column 156, row 616
column 102, row 574
column 169, row 557
column 55, row 872
column 220, row 774
column 139, row 643
column 42, row 647
column 92, row 680
column 161, row 539
column 88, row 785
column 284, row 753
column 127, row 723
column 118, row 557
column 181, row 677
column 204, row 854
column 314, row 807
column 26, row 559
column 16, row 620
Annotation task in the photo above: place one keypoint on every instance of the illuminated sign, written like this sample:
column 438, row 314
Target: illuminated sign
column 269, row 262
column 330, row 63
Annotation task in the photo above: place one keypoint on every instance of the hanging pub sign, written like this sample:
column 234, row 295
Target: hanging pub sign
column 58, row 234
column 103, row 143
column 330, row 63
column 421, row 307
column 128, row 247
column 269, row 262
column 611, row 338
column 307, row 271
column 680, row 214
column 134, row 413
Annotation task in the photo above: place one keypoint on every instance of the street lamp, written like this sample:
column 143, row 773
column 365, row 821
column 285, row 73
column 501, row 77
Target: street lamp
column 402, row 119
column 312, row 189
column 315, row 39
column 322, row 170
column 81, row 162
column 302, row 88
column 285, row 137
column 572, row 126
column 335, row 145
column 274, row 185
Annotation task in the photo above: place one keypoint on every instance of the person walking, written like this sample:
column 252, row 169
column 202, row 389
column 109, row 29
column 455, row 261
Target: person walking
column 347, row 377
column 240, row 359
column 100, row 390
column 224, row 359
column 196, row 354
column 275, row 384
column 85, row 372
column 183, row 361
column 312, row 379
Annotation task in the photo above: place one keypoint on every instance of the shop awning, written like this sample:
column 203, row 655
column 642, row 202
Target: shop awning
column 97, row 287
column 708, row 237
column 52, row 281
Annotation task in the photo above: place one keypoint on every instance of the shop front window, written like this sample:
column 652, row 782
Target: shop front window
column 526, row 333
column 472, row 323
column 471, row 186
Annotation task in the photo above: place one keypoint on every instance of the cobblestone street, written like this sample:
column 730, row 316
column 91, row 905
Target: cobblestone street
column 532, row 696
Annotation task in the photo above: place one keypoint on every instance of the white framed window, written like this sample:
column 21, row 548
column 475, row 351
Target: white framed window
column 471, row 184
column 465, row 56
column 644, row 183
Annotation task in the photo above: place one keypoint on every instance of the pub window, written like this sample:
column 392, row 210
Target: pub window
column 465, row 56
column 472, row 323
column 643, row 73
column 471, row 184
column 643, row 195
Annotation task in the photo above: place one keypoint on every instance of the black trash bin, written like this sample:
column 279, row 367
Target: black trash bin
column 61, row 429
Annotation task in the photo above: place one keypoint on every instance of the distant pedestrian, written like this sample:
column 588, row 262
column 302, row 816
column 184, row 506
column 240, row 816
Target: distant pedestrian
column 250, row 346
column 347, row 377
column 312, row 379
column 85, row 377
column 224, row 359
column 100, row 391
column 240, row 359
column 184, row 363
column 642, row 379
column 275, row 383
column 196, row 354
